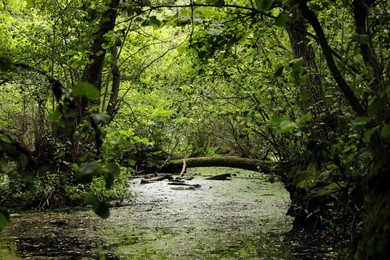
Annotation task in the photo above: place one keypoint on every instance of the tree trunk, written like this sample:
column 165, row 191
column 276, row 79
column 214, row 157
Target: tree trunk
column 375, row 241
column 227, row 161
column 347, row 91
column 361, row 9
column 93, row 72
column 297, row 32
column 111, row 107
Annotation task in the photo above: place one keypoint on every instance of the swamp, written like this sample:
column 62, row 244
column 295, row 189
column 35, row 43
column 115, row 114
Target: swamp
column 242, row 218
column 195, row 129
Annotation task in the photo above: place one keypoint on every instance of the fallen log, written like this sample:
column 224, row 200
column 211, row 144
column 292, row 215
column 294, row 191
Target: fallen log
column 227, row 161
column 220, row 177
column 187, row 178
column 185, row 184
column 157, row 178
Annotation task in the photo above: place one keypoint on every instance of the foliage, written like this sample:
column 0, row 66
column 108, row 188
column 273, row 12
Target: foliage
column 95, row 84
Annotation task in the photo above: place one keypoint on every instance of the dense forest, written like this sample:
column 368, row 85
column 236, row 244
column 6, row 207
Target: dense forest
column 95, row 90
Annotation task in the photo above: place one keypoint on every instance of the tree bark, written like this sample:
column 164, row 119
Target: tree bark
column 93, row 71
column 348, row 93
column 375, row 241
column 111, row 107
column 297, row 32
column 361, row 9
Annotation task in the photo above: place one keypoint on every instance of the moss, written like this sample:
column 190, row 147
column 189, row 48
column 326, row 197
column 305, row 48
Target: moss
column 325, row 191
column 227, row 161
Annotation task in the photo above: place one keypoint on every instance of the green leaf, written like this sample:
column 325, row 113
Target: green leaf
column 145, row 3
column 213, row 32
column 215, row 2
column 305, row 118
column 101, row 117
column 55, row 116
column 264, row 5
column 279, row 71
column 361, row 38
column 282, row 19
column 88, row 170
column 153, row 21
column 369, row 133
column 385, row 132
column 5, row 63
column 111, row 171
column 98, row 206
column 360, row 122
column 30, row 3
column 87, row 90
column 277, row 120
column 105, row 46
column 296, row 62
column 388, row 93
column 71, row 52
column 287, row 125
column 131, row 162
column 4, row 219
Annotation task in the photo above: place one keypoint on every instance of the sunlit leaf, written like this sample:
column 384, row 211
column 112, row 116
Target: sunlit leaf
column 296, row 62
column 101, row 117
column 287, row 126
column 30, row 3
column 71, row 52
column 213, row 31
column 131, row 162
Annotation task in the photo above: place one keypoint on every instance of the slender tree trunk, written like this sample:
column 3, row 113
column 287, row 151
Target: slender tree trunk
column 93, row 71
column 111, row 107
column 361, row 9
column 297, row 32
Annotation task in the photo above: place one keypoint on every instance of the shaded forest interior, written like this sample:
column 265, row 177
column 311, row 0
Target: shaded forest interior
column 93, row 92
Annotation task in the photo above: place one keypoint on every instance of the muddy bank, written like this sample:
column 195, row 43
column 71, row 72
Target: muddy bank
column 243, row 218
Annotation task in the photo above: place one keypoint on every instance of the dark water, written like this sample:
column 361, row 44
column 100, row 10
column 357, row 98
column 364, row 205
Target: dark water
column 243, row 218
